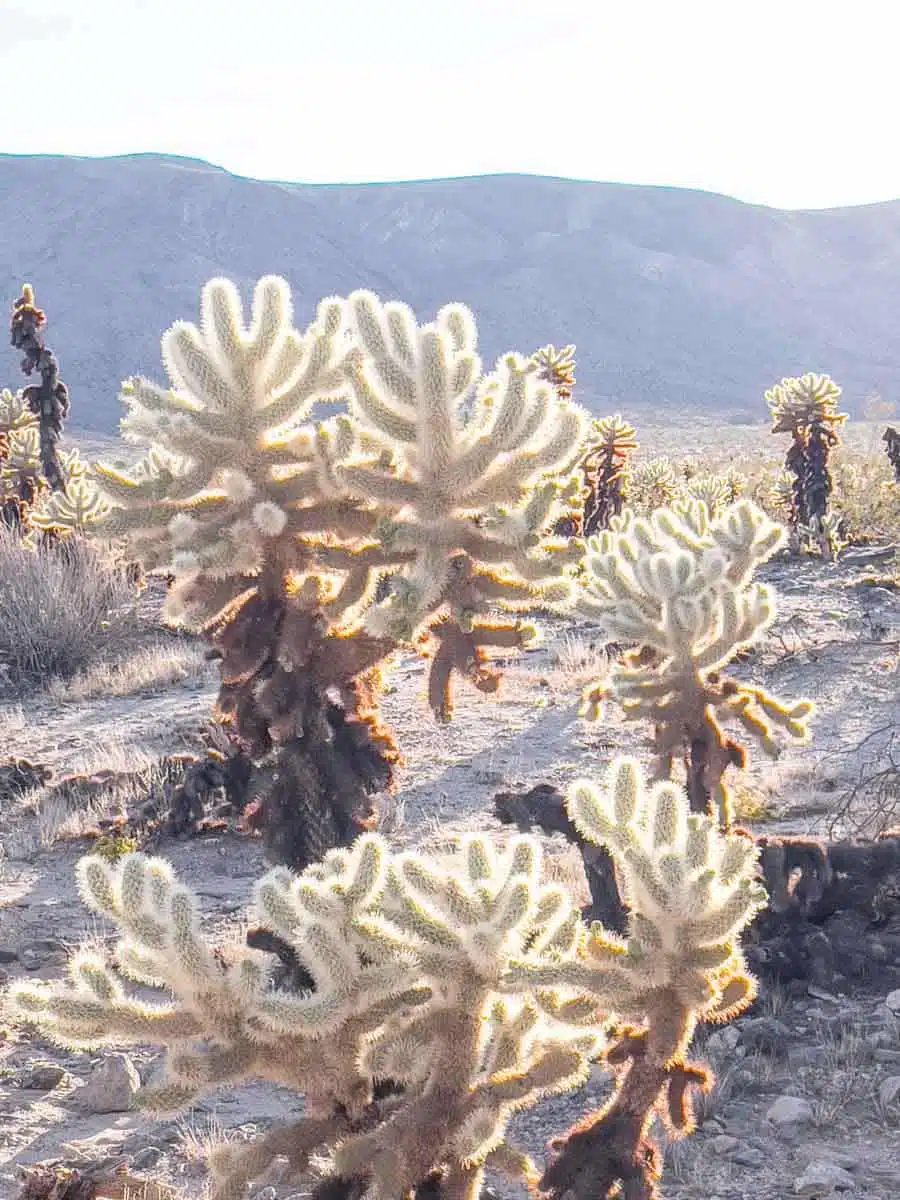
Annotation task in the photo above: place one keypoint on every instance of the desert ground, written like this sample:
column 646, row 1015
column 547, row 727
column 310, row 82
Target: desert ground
column 807, row 1100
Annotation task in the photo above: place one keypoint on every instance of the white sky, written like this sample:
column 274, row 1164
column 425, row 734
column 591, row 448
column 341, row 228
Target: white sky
column 793, row 103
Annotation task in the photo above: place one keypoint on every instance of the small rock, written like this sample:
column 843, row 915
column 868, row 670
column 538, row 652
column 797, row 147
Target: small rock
column 892, row 1000
column 111, row 1088
column 723, row 1144
column 723, row 1041
column 790, row 1110
column 8, row 956
column 767, row 1035
column 266, row 1193
column 821, row 1179
column 41, row 1077
column 747, row 1156
column 147, row 1158
column 889, row 1090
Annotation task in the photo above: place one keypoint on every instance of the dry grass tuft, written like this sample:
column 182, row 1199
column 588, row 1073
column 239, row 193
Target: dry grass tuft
column 163, row 664
column 58, row 611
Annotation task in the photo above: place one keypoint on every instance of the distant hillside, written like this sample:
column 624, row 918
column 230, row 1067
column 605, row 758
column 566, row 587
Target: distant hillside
column 675, row 299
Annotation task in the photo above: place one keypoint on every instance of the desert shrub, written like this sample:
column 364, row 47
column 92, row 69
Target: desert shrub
column 866, row 498
column 60, row 607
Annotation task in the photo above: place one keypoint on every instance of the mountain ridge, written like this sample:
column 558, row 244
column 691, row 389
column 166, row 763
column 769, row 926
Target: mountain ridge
column 678, row 301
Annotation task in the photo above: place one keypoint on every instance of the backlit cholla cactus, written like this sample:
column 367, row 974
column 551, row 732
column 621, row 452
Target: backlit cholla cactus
column 679, row 585
column 611, row 442
column 652, row 484
column 21, row 481
column 49, row 399
column 403, row 957
column 806, row 408
column 690, row 891
column 442, row 995
column 715, row 490
column 237, row 500
column 461, row 465
column 72, row 511
column 557, row 367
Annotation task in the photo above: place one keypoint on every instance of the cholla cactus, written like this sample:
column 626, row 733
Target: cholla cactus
column 442, row 995
column 61, row 514
column 691, row 890
column 612, row 441
column 806, row 408
column 716, row 491
column 652, row 484
column 891, row 439
column 237, row 500
column 679, row 585
column 21, row 481
column 404, row 959
column 467, row 499
column 557, row 367
column 49, row 399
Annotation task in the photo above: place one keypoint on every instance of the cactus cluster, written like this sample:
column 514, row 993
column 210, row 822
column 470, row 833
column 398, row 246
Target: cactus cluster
column 275, row 528
column 21, row 481
column 442, row 995
column 679, row 587
column 807, row 408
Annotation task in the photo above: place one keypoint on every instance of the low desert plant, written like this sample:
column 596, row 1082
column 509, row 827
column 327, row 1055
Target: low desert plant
column 432, row 999
column 653, row 484
column 58, row 612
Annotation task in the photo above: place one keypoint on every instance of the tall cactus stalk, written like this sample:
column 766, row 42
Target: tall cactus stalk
column 806, row 408
column 49, row 399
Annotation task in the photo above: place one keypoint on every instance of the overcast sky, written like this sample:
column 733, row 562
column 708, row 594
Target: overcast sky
column 792, row 103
